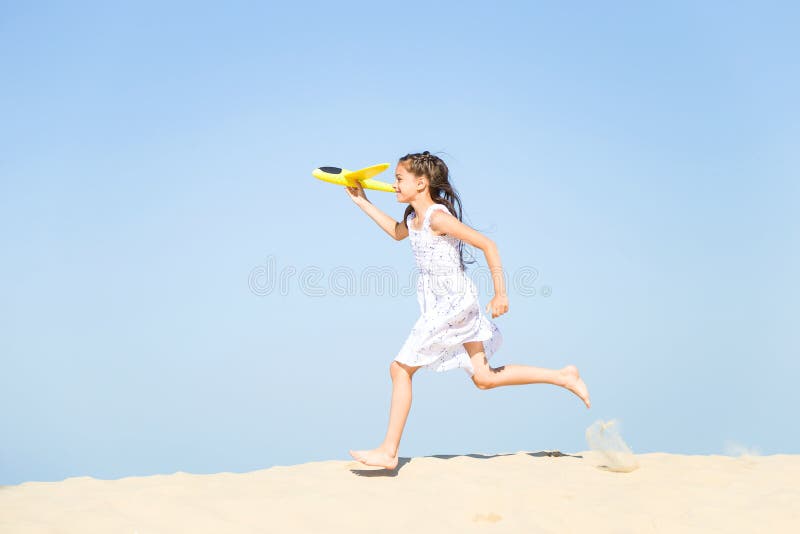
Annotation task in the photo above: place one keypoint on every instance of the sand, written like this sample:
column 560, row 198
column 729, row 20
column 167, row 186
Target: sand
column 544, row 491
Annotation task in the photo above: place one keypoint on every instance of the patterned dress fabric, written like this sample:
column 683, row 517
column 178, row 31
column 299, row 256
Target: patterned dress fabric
column 448, row 301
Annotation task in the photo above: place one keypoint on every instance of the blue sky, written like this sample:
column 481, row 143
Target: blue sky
column 641, row 160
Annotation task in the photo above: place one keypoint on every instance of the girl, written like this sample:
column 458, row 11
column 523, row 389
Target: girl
column 451, row 333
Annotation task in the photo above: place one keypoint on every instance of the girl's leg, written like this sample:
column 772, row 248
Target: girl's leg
column 386, row 454
column 486, row 377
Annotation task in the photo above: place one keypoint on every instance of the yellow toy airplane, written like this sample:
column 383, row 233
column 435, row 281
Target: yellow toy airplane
column 338, row 176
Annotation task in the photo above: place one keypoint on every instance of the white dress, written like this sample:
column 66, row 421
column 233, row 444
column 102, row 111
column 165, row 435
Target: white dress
column 448, row 299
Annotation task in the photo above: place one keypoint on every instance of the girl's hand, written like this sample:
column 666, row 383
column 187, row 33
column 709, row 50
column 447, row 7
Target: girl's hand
column 356, row 193
column 497, row 306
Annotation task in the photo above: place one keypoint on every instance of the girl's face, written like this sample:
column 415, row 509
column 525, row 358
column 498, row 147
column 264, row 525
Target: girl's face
column 406, row 184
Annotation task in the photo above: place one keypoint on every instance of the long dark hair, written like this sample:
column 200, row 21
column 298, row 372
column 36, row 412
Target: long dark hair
column 442, row 191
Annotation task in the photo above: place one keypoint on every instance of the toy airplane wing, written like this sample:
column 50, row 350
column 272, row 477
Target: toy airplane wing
column 339, row 176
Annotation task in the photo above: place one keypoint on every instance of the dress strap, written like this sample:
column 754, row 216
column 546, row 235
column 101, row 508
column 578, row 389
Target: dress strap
column 426, row 223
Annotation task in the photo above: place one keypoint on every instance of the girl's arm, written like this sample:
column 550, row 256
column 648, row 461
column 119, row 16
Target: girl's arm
column 396, row 230
column 446, row 223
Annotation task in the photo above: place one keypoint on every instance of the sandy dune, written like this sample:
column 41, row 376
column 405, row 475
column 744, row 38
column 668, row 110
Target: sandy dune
column 522, row 492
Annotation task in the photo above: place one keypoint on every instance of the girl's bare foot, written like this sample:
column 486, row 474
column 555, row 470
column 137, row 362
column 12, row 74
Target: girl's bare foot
column 378, row 457
column 573, row 382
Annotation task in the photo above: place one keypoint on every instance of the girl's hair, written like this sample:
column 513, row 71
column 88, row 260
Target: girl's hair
column 442, row 192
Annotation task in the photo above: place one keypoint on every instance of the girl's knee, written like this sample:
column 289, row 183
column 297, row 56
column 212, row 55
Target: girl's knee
column 401, row 370
column 483, row 380
column 482, row 373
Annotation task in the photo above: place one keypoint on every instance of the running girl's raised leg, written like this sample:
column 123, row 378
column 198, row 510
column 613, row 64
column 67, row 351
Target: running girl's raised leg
column 386, row 454
column 486, row 377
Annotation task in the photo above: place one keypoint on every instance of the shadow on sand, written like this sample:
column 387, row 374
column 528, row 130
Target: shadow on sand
column 383, row 472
